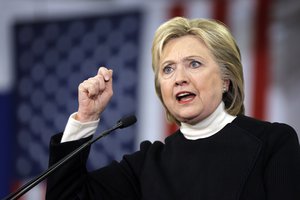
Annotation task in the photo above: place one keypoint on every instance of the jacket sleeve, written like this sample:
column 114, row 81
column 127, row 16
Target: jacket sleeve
column 67, row 180
column 282, row 174
column 73, row 181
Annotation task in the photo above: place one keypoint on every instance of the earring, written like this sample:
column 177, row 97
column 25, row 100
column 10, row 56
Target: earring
column 224, row 89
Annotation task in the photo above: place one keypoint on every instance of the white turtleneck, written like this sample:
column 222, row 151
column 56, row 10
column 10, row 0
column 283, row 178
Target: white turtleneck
column 209, row 126
column 212, row 124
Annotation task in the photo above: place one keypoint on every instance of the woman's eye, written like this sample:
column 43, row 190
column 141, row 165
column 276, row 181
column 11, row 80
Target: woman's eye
column 167, row 70
column 195, row 64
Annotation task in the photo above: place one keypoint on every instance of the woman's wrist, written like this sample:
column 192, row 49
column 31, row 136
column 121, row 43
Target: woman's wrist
column 85, row 118
column 75, row 129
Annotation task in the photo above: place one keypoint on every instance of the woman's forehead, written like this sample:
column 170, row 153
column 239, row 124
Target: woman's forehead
column 183, row 48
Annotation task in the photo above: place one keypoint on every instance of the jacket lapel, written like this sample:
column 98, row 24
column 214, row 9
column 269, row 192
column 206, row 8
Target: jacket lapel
column 238, row 153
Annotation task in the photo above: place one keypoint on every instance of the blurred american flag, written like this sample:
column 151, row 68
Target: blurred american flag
column 51, row 59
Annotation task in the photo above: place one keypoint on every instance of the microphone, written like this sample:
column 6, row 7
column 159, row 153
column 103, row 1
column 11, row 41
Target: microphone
column 122, row 123
column 127, row 121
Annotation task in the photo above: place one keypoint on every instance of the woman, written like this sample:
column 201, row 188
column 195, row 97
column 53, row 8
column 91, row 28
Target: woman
column 217, row 153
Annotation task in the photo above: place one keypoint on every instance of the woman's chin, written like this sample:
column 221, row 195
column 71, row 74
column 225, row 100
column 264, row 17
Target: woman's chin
column 189, row 119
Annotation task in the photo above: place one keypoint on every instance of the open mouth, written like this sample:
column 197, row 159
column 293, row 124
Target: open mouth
column 184, row 97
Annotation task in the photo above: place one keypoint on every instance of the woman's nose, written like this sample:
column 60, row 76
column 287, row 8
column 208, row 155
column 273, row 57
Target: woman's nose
column 181, row 77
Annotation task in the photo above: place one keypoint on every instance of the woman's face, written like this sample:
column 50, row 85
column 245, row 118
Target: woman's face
column 190, row 79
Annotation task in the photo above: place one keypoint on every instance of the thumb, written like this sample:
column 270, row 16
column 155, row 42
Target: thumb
column 109, row 82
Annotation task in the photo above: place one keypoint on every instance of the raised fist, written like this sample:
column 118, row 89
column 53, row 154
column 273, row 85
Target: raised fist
column 94, row 95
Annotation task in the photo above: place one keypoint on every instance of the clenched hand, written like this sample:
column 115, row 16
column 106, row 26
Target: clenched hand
column 94, row 95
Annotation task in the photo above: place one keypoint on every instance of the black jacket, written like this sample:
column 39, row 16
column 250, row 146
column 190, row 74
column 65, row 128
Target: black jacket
column 247, row 160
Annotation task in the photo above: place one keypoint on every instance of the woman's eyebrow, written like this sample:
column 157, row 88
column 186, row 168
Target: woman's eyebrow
column 188, row 58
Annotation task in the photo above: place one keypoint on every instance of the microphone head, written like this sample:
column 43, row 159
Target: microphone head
column 127, row 121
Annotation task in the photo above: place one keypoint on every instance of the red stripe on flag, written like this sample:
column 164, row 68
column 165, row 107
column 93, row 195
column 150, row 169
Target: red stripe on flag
column 220, row 8
column 177, row 9
column 261, row 59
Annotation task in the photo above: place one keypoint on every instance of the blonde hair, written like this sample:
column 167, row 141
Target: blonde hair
column 221, row 44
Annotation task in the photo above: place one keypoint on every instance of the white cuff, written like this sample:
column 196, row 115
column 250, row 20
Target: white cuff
column 76, row 130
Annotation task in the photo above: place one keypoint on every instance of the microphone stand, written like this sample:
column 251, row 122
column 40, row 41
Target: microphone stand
column 121, row 124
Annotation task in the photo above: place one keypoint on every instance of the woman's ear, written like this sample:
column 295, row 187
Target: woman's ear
column 226, row 83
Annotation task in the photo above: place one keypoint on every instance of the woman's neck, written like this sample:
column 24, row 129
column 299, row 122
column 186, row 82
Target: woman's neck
column 209, row 126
